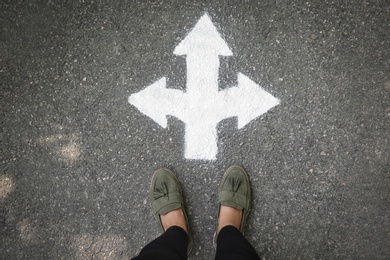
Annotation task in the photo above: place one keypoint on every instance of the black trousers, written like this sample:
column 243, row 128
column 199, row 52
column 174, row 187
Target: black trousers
column 172, row 245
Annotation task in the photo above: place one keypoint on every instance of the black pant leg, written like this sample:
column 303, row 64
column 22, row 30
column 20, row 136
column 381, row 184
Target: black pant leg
column 171, row 245
column 232, row 245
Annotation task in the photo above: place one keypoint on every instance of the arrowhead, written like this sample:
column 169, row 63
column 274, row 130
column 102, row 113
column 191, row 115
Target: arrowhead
column 203, row 38
column 253, row 100
column 149, row 101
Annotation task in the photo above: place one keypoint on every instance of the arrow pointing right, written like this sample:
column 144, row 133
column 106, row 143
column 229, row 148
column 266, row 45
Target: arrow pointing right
column 247, row 101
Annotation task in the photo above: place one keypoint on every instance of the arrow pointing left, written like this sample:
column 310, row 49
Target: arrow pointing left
column 157, row 102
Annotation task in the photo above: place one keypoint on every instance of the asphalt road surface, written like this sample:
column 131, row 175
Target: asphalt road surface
column 77, row 158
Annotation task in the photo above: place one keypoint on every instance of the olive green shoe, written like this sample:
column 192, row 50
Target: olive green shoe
column 235, row 191
column 166, row 195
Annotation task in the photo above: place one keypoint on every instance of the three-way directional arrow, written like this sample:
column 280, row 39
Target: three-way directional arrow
column 202, row 106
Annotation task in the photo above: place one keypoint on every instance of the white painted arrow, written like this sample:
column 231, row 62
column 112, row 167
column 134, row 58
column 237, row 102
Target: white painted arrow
column 202, row 46
column 202, row 106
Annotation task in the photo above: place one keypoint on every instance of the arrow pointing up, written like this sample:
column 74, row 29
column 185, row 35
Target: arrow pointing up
column 202, row 106
column 202, row 46
column 203, row 38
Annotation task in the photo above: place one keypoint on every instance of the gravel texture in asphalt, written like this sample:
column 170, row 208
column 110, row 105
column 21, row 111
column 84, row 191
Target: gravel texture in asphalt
column 77, row 158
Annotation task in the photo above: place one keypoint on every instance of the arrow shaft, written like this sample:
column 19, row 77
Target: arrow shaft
column 202, row 74
column 201, row 141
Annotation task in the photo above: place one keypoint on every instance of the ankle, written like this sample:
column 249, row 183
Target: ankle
column 229, row 216
column 174, row 218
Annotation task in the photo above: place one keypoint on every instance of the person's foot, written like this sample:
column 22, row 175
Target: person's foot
column 167, row 202
column 234, row 198
column 174, row 218
column 229, row 216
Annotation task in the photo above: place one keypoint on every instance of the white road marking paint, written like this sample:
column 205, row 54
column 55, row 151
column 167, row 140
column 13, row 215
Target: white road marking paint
column 202, row 106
